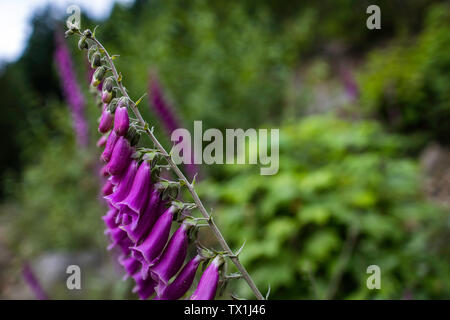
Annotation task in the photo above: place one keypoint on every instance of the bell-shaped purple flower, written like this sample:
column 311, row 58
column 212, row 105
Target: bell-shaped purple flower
column 130, row 264
column 142, row 224
column 207, row 286
column 106, row 120
column 137, row 197
column 110, row 218
column 110, row 143
column 121, row 156
column 144, row 287
column 121, row 119
column 124, row 186
column 171, row 260
column 182, row 282
column 116, row 235
column 107, row 188
column 151, row 247
column 124, row 245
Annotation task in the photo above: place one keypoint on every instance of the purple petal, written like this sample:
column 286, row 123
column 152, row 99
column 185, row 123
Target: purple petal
column 121, row 156
column 142, row 224
column 172, row 258
column 136, row 198
column 207, row 286
column 144, row 287
column 150, row 249
column 182, row 282
column 124, row 186
column 121, row 121
column 105, row 121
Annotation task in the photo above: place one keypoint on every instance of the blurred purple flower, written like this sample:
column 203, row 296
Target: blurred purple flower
column 33, row 282
column 71, row 90
column 164, row 111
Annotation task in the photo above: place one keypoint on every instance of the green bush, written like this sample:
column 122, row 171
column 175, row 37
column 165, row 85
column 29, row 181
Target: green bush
column 344, row 198
column 407, row 84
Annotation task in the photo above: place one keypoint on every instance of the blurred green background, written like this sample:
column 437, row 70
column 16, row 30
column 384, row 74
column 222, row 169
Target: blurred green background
column 364, row 118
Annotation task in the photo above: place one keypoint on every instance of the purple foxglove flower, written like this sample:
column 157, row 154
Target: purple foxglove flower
column 116, row 235
column 107, row 188
column 102, row 141
column 137, row 197
column 144, row 287
column 71, row 89
column 110, row 218
column 110, row 143
column 182, row 282
column 171, row 260
column 124, row 186
column 106, row 120
column 142, row 224
column 125, row 245
column 125, row 216
column 121, row 119
column 131, row 266
column 151, row 247
column 121, row 156
column 207, row 286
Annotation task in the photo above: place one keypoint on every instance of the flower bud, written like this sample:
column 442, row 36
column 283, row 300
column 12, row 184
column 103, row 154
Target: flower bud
column 98, row 76
column 116, row 235
column 121, row 156
column 137, row 197
column 107, row 91
column 121, row 119
column 105, row 120
column 150, row 249
column 96, row 60
column 171, row 260
column 207, row 286
column 69, row 33
column 182, row 282
column 110, row 218
column 124, row 186
column 110, row 143
column 87, row 33
column 82, row 43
